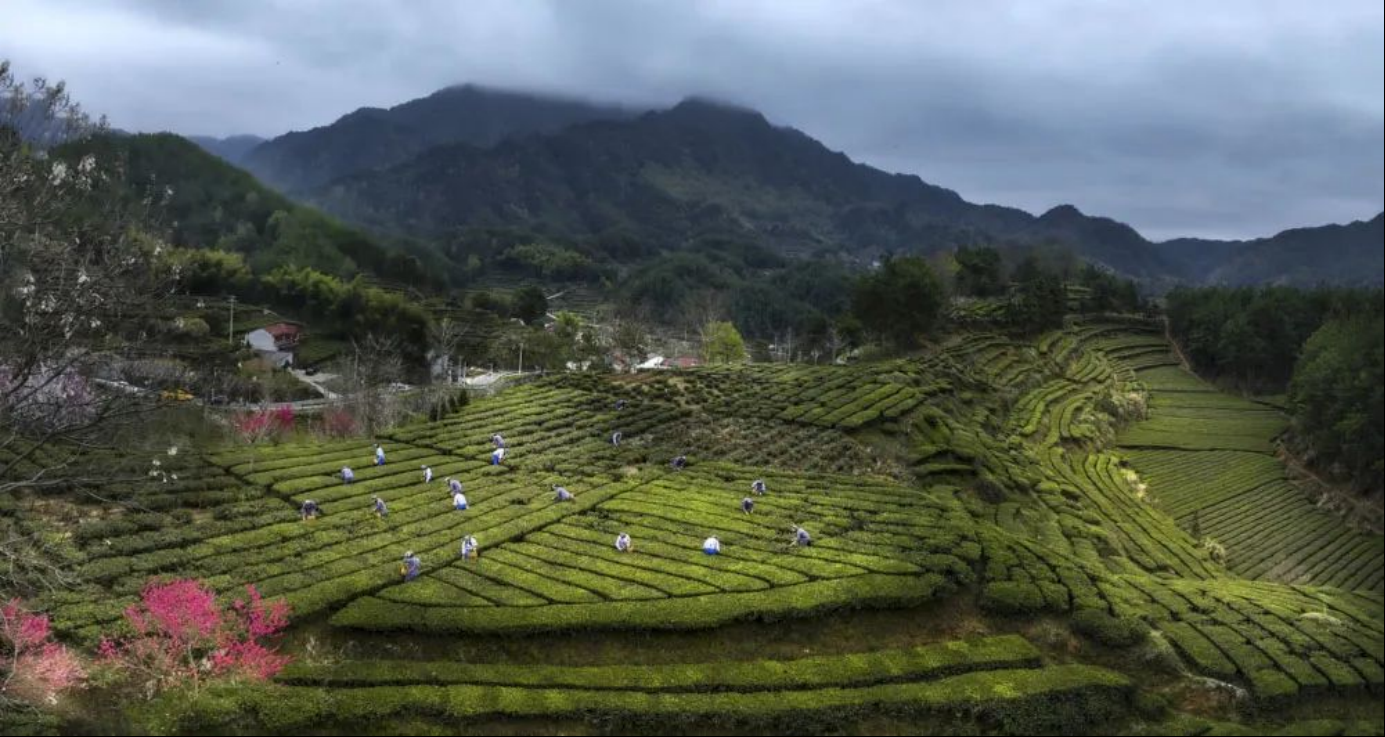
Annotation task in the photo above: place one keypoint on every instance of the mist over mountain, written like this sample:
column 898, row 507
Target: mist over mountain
column 375, row 138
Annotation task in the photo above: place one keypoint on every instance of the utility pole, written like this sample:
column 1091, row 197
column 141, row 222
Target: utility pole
column 231, row 326
column 521, row 355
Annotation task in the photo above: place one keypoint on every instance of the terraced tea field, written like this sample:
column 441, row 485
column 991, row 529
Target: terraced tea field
column 876, row 541
column 1207, row 460
column 1002, row 483
column 999, row 677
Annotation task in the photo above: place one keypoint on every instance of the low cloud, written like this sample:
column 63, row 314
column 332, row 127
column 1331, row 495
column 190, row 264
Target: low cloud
column 1232, row 119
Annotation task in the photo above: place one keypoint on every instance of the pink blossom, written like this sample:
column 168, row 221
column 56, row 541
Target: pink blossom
column 57, row 668
column 22, row 629
column 338, row 423
column 253, row 427
column 262, row 619
column 32, row 666
column 183, row 611
column 32, row 631
column 283, row 418
column 182, row 635
column 248, row 659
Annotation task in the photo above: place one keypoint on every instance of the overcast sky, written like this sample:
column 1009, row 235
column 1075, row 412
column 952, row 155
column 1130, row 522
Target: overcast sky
column 1233, row 118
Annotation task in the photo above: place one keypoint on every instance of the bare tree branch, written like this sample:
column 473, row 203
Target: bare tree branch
column 76, row 265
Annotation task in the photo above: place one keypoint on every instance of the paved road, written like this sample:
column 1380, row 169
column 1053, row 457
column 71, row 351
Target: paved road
column 484, row 384
column 313, row 380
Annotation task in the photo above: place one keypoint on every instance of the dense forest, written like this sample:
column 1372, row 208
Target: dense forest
column 1322, row 346
column 200, row 201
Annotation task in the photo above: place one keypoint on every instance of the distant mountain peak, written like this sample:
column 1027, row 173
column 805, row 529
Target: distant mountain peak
column 231, row 149
column 701, row 102
column 362, row 112
column 1061, row 214
column 708, row 107
column 477, row 89
column 374, row 138
column 469, row 90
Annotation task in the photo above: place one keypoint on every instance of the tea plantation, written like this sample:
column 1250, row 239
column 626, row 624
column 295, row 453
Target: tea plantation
column 1094, row 539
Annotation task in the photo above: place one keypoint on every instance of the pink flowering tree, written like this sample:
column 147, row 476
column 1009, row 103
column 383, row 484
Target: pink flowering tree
column 254, row 428
column 33, row 668
column 338, row 423
column 282, row 419
column 251, row 427
column 184, row 636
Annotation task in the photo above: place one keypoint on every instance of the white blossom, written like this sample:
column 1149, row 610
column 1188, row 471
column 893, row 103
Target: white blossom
column 59, row 173
column 27, row 288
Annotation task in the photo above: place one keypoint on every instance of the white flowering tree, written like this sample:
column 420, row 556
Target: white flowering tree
column 73, row 267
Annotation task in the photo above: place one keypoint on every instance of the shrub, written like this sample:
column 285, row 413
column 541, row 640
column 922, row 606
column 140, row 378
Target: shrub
column 1059, row 699
column 990, row 490
column 882, row 666
column 1272, row 687
column 1108, row 630
column 1012, row 597
column 191, row 327
column 865, row 591
column 1215, row 550
column 252, row 427
column 447, row 403
column 33, row 668
column 182, row 636
column 338, row 423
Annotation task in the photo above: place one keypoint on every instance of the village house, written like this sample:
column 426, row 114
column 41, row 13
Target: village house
column 276, row 342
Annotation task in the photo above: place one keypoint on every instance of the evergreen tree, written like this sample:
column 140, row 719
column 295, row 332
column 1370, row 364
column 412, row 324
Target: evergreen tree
column 900, row 302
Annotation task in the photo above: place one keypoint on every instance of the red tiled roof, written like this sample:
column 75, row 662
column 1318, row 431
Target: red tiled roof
column 283, row 330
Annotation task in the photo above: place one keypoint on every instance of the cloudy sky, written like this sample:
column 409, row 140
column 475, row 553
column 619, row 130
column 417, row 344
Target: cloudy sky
column 1233, row 118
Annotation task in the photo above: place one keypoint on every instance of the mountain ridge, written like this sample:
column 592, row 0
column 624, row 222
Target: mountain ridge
column 667, row 175
column 1243, row 262
column 704, row 166
column 231, row 149
column 372, row 137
